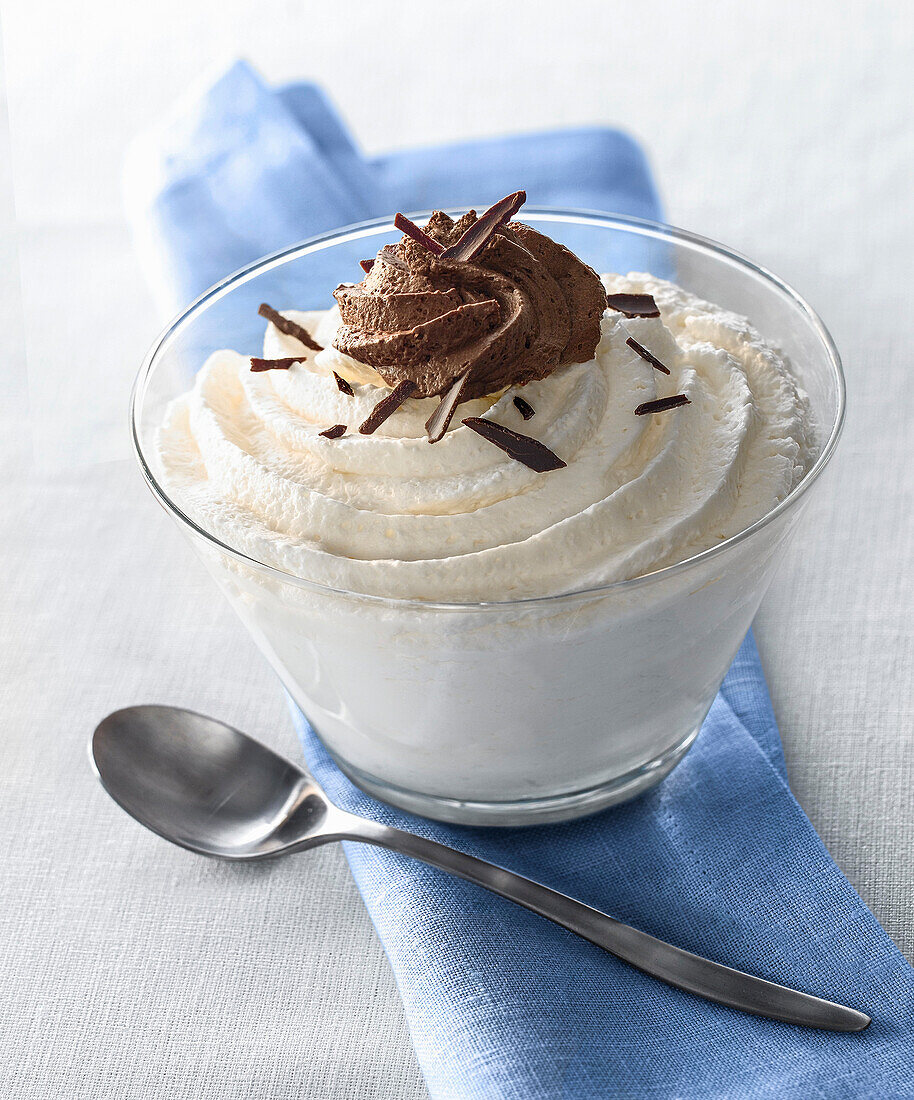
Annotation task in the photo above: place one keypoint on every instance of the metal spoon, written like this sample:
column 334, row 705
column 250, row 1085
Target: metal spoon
column 206, row 786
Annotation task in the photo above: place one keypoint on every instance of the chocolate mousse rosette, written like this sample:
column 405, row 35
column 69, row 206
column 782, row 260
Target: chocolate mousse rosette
column 467, row 308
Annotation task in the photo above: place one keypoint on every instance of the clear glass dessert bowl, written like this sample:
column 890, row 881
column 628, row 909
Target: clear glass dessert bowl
column 523, row 711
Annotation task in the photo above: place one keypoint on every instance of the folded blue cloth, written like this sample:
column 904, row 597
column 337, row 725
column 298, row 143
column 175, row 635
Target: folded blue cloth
column 719, row 858
column 242, row 170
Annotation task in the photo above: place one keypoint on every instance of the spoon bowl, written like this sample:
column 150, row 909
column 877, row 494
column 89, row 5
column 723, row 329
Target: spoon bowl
column 208, row 787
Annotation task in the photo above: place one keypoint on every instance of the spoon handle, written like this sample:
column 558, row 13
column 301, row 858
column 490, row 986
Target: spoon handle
column 670, row 964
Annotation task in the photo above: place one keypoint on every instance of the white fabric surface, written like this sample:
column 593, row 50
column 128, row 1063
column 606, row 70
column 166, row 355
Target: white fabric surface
column 132, row 969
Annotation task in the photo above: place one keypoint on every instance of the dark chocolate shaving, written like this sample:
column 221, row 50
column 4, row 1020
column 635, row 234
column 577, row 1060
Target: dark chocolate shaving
column 387, row 406
column 474, row 240
column 335, row 432
column 437, row 424
column 366, row 265
column 412, row 230
column 530, row 452
column 633, row 305
column 646, row 355
column 290, row 328
column 524, row 408
column 662, row 404
column 274, row 364
column 343, row 386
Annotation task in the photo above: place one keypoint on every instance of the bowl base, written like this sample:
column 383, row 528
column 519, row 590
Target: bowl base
column 527, row 811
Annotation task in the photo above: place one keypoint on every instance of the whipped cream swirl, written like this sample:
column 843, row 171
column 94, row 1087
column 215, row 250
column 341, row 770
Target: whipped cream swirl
column 391, row 515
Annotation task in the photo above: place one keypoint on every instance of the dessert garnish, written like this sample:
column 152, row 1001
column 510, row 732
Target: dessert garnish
column 412, row 230
column 335, row 432
column 483, row 296
column 387, row 406
column 437, row 423
column 633, row 305
column 662, row 404
column 344, row 387
column 524, row 408
column 366, row 265
column 647, row 355
column 273, row 364
column 530, row 452
column 476, row 237
column 290, row 328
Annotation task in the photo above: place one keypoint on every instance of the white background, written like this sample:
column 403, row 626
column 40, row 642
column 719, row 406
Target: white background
column 783, row 129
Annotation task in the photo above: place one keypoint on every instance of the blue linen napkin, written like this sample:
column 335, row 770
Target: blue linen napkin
column 719, row 859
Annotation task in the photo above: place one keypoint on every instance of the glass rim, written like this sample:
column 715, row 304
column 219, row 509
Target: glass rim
column 640, row 227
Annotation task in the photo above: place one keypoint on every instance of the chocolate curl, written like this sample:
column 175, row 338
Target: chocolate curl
column 290, row 328
column 412, row 230
column 342, row 385
column 437, row 424
column 274, row 364
column 387, row 406
column 633, row 305
column 533, row 454
column 477, row 236
column 526, row 410
column 662, row 404
column 647, row 356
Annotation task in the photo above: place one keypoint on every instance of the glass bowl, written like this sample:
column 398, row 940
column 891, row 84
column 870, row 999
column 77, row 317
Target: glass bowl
column 503, row 713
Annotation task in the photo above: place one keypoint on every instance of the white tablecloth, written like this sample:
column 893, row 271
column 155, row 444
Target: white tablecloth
column 133, row 969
